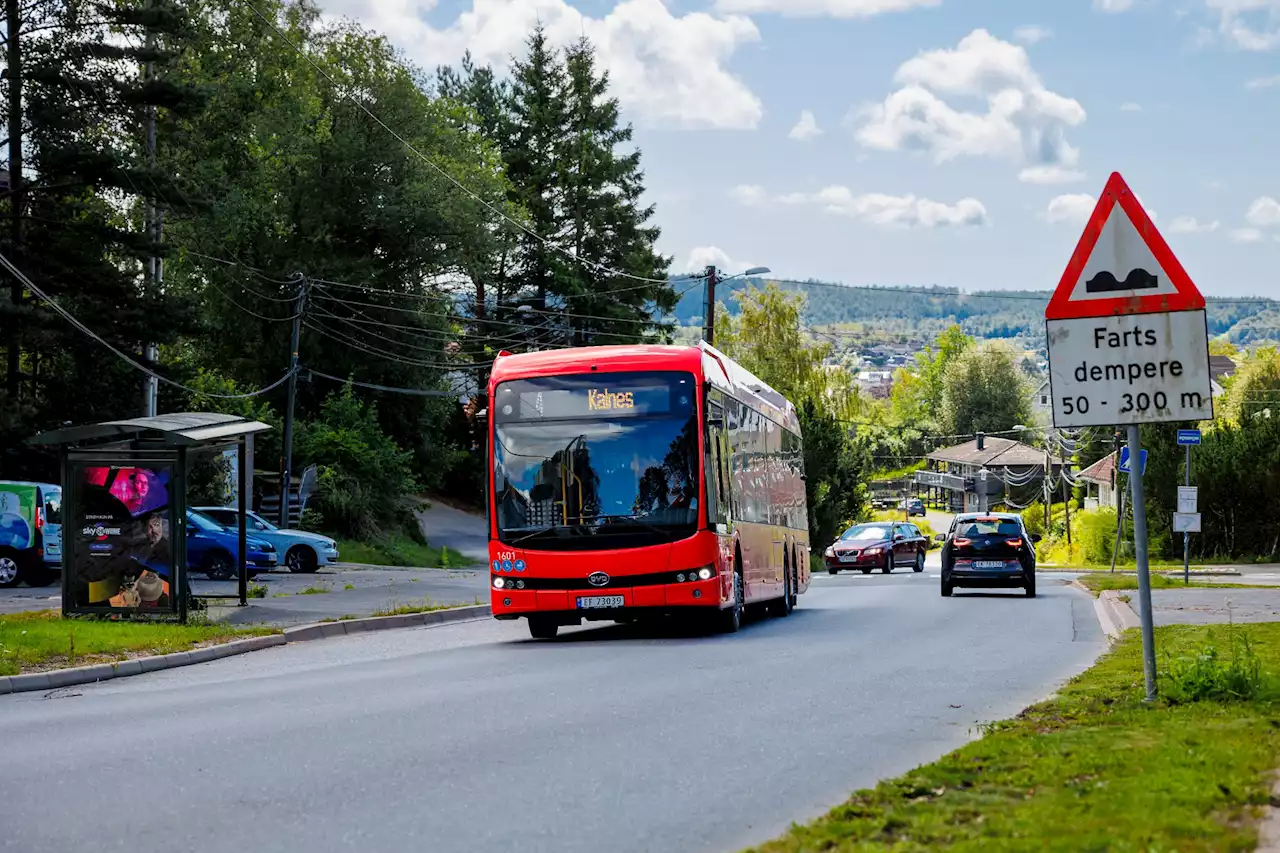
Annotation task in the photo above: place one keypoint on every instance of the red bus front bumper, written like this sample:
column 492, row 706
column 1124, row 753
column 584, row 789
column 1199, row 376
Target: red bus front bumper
column 521, row 602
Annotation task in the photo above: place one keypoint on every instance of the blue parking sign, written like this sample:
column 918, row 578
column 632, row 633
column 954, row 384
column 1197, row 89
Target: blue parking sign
column 1188, row 437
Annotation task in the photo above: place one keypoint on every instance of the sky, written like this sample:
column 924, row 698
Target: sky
column 917, row 142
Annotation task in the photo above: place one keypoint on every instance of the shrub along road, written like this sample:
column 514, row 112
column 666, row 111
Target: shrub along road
column 471, row 737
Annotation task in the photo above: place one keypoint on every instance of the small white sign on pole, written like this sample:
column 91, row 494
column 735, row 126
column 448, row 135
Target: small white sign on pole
column 1186, row 522
column 1188, row 499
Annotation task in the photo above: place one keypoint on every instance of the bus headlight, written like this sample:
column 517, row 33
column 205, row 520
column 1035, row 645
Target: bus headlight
column 705, row 573
column 499, row 583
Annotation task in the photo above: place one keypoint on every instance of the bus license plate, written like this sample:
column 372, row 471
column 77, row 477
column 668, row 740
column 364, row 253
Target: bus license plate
column 591, row 601
column 989, row 564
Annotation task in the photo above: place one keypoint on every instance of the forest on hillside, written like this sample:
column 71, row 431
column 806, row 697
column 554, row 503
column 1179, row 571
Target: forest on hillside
column 868, row 314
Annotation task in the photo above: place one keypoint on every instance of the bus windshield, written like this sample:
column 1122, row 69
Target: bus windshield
column 577, row 458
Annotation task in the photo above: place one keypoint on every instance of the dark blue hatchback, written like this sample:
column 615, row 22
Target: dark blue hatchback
column 212, row 549
column 988, row 550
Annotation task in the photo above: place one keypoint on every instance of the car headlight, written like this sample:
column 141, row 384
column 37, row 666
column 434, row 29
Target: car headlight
column 830, row 552
column 873, row 551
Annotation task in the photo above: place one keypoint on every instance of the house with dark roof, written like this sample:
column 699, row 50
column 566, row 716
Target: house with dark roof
column 1221, row 368
column 980, row 473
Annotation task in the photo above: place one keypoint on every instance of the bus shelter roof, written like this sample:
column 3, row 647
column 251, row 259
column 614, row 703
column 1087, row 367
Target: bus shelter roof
column 180, row 429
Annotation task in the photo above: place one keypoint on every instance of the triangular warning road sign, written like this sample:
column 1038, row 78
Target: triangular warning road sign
column 1122, row 265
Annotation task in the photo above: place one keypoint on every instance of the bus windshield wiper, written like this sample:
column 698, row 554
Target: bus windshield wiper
column 543, row 531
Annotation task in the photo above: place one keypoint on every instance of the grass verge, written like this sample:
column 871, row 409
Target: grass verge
column 1095, row 768
column 1099, row 582
column 400, row 551
column 39, row 641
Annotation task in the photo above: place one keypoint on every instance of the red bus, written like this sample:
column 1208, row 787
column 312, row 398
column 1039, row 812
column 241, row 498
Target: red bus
column 638, row 481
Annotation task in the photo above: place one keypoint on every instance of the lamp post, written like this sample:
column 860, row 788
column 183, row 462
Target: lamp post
column 713, row 277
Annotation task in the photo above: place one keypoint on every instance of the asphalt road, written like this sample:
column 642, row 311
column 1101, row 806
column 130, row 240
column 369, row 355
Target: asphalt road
column 472, row 738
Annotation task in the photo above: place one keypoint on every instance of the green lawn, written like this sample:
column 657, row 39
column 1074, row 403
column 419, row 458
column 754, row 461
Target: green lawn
column 44, row 640
column 1098, row 582
column 400, row 551
column 1094, row 769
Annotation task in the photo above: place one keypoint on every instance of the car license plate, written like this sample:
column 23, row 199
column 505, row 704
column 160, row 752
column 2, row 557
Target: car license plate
column 988, row 564
column 848, row 558
column 592, row 601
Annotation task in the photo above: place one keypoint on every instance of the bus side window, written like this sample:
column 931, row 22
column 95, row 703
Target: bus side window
column 716, row 494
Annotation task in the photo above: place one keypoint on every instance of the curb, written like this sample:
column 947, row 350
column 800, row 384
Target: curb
column 1115, row 615
column 302, row 633
column 1216, row 573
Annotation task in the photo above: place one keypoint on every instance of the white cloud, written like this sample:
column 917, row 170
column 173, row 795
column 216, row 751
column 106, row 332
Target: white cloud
column 705, row 256
column 1263, row 83
column 1263, row 213
column 1032, row 34
column 806, row 128
column 1050, row 175
column 1113, row 5
column 665, row 69
column 825, row 8
column 750, row 195
column 906, row 211
column 1024, row 123
column 1130, row 107
column 1252, row 25
column 1070, row 209
column 1191, row 225
column 1246, row 235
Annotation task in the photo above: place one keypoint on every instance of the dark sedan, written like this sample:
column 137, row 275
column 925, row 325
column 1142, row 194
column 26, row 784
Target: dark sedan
column 878, row 545
column 988, row 550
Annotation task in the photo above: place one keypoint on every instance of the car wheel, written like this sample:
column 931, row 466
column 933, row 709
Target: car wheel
column 731, row 618
column 888, row 564
column 833, row 571
column 866, row 571
column 220, row 567
column 10, row 575
column 1031, row 587
column 543, row 628
column 301, row 560
column 946, row 589
column 919, row 566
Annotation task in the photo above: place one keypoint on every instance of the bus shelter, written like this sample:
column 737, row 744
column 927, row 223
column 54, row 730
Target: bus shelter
column 124, row 510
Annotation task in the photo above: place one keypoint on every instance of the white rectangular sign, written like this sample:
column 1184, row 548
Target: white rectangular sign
column 1186, row 522
column 1130, row 369
column 1188, row 498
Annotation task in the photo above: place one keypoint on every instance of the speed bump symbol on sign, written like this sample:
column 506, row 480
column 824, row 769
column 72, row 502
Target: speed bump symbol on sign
column 1128, row 341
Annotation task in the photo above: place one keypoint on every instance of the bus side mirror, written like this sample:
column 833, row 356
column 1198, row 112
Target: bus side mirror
column 1036, row 537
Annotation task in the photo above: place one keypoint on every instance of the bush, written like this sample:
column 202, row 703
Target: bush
column 1095, row 530
column 1209, row 675
column 362, row 475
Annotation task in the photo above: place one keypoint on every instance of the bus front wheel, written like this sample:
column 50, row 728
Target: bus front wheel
column 542, row 628
column 731, row 618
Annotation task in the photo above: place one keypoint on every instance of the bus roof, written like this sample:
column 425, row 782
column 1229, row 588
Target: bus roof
column 703, row 360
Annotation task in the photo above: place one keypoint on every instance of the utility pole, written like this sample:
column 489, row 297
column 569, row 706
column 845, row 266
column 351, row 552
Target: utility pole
column 1066, row 501
column 152, row 226
column 1144, row 570
column 17, row 191
column 1118, row 490
column 1048, row 492
column 286, row 461
column 709, row 327
column 1186, row 536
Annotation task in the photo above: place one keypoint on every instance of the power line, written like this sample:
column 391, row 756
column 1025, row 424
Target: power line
column 420, row 392
column 600, row 268
column 71, row 318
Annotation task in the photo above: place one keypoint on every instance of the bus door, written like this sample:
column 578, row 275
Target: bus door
column 719, row 482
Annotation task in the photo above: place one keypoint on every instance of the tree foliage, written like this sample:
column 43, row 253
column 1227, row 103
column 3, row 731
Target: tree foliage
column 984, row 390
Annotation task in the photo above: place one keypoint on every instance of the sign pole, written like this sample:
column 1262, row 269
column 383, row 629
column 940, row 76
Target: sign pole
column 1144, row 572
column 1186, row 535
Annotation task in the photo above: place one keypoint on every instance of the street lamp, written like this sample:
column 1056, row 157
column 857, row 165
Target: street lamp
column 712, row 275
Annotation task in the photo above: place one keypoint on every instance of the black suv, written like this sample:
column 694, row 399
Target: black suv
column 988, row 550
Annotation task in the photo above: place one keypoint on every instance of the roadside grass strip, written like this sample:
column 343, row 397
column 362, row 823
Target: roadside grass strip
column 1098, row 583
column 43, row 640
column 1095, row 768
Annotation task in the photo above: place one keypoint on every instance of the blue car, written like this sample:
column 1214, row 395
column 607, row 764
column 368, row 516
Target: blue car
column 212, row 549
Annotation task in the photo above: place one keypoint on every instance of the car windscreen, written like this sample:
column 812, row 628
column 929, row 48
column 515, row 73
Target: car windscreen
column 988, row 527
column 866, row 531
column 203, row 522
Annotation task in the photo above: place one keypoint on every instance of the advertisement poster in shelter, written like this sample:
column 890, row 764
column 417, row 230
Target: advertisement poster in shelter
column 121, row 531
